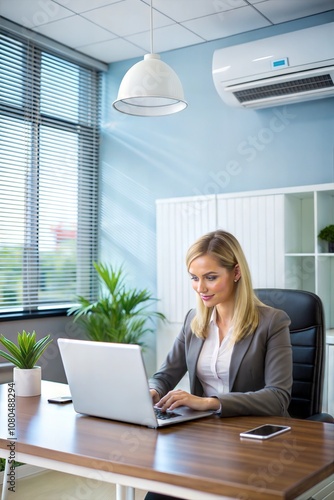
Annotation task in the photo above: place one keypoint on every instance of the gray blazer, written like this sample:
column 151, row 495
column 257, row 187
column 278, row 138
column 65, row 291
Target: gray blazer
column 260, row 369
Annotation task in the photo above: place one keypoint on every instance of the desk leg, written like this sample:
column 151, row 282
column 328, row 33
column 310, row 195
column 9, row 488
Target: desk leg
column 4, row 494
column 124, row 492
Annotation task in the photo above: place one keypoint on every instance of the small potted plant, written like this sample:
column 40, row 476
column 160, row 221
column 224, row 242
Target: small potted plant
column 24, row 356
column 327, row 234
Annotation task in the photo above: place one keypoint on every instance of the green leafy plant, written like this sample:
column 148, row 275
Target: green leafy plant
column 327, row 233
column 27, row 351
column 120, row 314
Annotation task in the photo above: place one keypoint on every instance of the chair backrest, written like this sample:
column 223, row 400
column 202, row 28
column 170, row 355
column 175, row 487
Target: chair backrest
column 307, row 332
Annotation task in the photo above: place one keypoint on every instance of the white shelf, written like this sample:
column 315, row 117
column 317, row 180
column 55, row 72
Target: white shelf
column 308, row 265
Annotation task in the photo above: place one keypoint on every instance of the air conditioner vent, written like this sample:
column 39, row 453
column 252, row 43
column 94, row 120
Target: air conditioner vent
column 292, row 67
column 285, row 88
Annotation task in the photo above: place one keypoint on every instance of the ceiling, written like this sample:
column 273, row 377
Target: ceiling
column 114, row 30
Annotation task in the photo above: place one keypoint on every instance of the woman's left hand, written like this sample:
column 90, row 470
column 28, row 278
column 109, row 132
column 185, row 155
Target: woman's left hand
column 176, row 398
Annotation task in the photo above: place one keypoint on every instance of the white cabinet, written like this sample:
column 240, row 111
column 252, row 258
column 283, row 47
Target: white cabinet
column 308, row 265
column 278, row 230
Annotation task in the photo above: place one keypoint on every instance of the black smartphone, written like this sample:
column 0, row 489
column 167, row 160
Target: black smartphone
column 265, row 431
column 61, row 400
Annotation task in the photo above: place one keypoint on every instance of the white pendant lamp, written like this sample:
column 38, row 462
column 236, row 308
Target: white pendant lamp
column 150, row 88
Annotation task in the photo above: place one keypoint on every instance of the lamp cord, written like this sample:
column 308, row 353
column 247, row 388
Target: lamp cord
column 151, row 22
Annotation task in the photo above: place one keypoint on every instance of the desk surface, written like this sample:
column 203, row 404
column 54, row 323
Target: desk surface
column 206, row 455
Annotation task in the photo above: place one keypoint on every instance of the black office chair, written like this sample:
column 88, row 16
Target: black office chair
column 307, row 331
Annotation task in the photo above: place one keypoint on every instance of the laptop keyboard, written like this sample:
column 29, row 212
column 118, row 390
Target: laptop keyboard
column 165, row 415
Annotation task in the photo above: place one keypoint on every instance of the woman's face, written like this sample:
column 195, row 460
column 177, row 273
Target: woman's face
column 214, row 283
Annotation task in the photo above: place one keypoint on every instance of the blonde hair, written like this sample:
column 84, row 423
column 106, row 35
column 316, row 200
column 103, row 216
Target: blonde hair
column 226, row 249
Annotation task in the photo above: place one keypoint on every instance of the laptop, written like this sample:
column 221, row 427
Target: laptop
column 109, row 380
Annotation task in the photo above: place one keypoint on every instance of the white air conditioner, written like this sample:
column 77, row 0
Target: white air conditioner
column 281, row 69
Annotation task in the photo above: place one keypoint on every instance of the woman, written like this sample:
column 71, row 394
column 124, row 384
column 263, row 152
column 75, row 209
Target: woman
column 236, row 350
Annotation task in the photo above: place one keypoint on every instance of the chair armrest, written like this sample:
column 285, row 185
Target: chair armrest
column 322, row 417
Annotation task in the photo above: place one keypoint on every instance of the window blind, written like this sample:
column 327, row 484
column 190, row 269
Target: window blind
column 49, row 140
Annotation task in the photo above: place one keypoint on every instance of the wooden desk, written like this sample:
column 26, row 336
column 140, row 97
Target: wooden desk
column 204, row 459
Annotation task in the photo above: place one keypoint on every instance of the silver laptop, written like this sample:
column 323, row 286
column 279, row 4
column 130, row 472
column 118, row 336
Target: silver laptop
column 109, row 380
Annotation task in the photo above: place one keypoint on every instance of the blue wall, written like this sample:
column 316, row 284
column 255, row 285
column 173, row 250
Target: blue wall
column 190, row 153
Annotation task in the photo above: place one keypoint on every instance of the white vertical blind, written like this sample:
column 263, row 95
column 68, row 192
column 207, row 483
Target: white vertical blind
column 255, row 222
column 49, row 138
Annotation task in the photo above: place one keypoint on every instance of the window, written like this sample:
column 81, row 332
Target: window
column 49, row 140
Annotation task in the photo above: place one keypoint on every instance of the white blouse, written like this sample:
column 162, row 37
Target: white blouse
column 214, row 361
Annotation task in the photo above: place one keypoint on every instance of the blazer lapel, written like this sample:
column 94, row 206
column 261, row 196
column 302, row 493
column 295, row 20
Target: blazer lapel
column 239, row 351
column 193, row 354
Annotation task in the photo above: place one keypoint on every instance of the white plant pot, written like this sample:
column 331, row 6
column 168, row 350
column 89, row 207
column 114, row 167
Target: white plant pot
column 27, row 381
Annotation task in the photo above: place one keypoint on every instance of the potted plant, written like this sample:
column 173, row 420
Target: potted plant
column 327, row 234
column 24, row 356
column 121, row 314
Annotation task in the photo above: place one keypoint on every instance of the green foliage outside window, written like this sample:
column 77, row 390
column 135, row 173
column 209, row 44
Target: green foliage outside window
column 61, row 263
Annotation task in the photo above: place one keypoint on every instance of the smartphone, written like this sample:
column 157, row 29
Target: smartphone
column 61, row 400
column 265, row 431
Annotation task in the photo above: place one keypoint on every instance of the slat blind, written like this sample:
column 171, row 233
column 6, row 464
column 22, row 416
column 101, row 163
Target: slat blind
column 49, row 140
